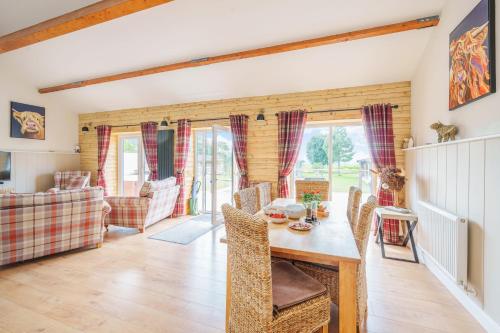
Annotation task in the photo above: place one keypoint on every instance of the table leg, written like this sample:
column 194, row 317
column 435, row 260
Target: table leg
column 228, row 294
column 412, row 241
column 410, row 227
column 381, row 236
column 347, row 296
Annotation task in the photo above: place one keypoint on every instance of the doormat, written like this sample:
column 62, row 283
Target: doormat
column 186, row 232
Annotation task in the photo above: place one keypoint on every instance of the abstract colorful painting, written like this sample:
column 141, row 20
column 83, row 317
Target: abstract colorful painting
column 27, row 121
column 472, row 56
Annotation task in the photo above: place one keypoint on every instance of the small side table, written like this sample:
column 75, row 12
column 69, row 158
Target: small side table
column 411, row 220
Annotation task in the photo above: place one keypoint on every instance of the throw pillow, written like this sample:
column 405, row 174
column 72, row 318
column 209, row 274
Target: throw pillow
column 76, row 183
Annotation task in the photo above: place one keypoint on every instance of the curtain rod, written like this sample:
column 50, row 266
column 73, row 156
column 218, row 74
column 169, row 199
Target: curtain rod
column 394, row 106
column 175, row 122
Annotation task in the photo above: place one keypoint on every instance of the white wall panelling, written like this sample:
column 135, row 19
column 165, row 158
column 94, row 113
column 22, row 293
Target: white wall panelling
column 34, row 171
column 462, row 178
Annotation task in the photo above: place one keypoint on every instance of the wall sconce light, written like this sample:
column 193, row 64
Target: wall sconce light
column 260, row 117
column 85, row 128
column 164, row 122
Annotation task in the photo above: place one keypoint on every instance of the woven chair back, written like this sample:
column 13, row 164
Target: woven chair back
column 246, row 200
column 249, row 261
column 353, row 202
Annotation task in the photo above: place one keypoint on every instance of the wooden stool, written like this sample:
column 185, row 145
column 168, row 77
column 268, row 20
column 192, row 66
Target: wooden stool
column 409, row 218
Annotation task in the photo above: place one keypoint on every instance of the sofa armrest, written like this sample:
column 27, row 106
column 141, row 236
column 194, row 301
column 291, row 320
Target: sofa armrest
column 116, row 202
column 106, row 209
column 127, row 211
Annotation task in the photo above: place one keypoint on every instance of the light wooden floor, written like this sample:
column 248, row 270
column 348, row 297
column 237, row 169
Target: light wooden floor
column 135, row 284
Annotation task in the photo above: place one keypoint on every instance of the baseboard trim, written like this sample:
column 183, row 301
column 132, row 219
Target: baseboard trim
column 474, row 309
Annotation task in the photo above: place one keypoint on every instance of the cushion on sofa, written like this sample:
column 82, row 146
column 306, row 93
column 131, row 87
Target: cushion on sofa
column 76, row 183
column 152, row 186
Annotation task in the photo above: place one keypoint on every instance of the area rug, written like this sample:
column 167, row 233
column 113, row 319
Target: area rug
column 186, row 232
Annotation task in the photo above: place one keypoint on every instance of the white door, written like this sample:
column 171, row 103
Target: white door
column 214, row 169
column 222, row 171
column 133, row 169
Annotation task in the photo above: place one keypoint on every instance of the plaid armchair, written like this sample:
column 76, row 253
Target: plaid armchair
column 156, row 202
column 36, row 225
column 70, row 180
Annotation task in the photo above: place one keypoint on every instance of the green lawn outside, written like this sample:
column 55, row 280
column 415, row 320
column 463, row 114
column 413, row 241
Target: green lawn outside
column 343, row 178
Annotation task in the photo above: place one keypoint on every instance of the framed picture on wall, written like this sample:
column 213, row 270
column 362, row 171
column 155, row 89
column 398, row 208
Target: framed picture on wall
column 472, row 56
column 27, row 121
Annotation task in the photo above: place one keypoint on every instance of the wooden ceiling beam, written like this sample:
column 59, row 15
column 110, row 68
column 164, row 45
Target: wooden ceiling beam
column 293, row 46
column 82, row 18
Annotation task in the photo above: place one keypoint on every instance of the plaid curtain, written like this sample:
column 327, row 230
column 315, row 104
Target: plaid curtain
column 239, row 129
column 290, row 131
column 181, row 154
column 103, row 137
column 377, row 121
column 149, row 132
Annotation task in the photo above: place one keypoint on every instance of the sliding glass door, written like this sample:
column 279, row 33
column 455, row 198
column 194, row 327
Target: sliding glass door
column 133, row 169
column 214, row 169
column 337, row 153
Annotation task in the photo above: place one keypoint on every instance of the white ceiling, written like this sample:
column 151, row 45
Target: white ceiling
column 188, row 29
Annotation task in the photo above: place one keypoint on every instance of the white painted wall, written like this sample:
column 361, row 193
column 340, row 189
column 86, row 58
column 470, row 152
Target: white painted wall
column 61, row 122
column 430, row 85
column 33, row 162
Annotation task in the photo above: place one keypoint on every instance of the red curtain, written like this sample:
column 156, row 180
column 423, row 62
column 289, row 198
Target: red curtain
column 149, row 132
column 239, row 129
column 103, row 137
column 290, row 131
column 377, row 121
column 181, row 154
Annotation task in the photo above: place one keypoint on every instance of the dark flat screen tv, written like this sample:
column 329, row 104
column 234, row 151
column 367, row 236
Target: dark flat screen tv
column 5, row 162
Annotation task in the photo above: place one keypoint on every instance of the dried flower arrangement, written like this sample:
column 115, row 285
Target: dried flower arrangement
column 392, row 179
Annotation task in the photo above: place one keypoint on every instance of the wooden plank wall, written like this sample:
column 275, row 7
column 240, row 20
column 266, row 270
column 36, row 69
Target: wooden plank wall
column 262, row 139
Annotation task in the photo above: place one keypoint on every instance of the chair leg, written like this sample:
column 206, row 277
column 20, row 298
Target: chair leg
column 324, row 329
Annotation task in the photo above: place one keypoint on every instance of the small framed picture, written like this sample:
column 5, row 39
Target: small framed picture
column 27, row 121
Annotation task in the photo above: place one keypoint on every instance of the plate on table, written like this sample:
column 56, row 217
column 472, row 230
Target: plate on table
column 300, row 226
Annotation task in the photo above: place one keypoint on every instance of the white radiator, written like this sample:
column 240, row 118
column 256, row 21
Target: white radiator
column 443, row 237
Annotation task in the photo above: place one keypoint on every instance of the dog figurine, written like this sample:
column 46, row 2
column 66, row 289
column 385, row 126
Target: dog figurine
column 445, row 132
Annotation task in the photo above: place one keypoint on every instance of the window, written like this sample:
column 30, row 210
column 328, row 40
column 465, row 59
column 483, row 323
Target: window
column 337, row 153
column 133, row 169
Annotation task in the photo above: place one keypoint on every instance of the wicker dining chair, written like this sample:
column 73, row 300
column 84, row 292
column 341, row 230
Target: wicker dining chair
column 259, row 289
column 246, row 200
column 329, row 275
column 353, row 206
column 263, row 194
column 302, row 186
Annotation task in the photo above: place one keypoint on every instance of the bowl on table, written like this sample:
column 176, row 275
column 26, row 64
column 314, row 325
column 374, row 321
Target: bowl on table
column 278, row 217
column 295, row 211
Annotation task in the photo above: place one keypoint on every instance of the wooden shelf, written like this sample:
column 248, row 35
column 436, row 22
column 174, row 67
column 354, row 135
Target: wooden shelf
column 487, row 137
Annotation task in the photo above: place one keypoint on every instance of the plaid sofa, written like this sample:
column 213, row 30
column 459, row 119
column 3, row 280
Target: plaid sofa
column 156, row 202
column 36, row 225
column 63, row 179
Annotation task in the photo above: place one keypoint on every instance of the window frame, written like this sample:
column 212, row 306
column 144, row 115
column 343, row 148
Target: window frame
column 330, row 125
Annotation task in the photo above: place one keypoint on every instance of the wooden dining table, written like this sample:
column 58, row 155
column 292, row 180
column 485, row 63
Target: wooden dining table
column 331, row 242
